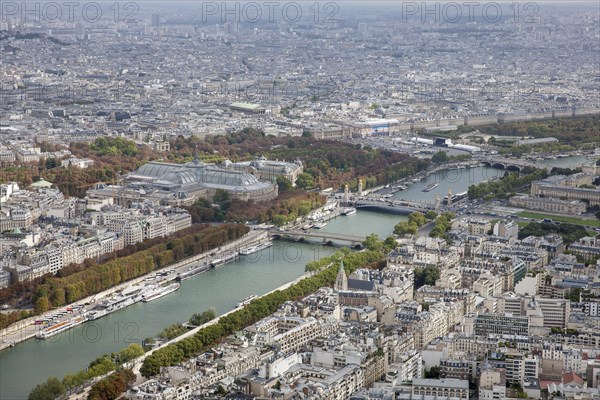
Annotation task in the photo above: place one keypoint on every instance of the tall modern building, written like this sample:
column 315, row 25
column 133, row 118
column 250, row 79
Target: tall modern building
column 155, row 20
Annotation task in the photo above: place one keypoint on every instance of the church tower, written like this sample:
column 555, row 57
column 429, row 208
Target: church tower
column 341, row 281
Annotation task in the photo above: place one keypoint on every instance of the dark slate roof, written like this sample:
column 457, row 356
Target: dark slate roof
column 359, row 284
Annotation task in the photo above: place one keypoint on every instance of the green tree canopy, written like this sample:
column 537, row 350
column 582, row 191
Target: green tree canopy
column 48, row 390
column 221, row 196
column 305, row 181
column 405, row 228
column 372, row 243
column 284, row 184
column 440, row 157
column 426, row 276
column 431, row 215
column 130, row 352
column 417, row 218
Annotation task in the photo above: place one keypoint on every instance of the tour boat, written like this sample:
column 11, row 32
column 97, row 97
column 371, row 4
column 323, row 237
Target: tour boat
column 246, row 300
column 254, row 249
column 159, row 292
column 60, row 327
column 430, row 187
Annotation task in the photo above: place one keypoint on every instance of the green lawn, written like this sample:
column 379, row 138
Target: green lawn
column 570, row 220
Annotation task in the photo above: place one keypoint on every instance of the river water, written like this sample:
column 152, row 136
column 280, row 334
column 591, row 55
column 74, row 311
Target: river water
column 566, row 162
column 458, row 180
column 31, row 362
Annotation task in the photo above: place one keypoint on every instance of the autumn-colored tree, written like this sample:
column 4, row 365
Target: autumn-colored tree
column 42, row 305
column 111, row 387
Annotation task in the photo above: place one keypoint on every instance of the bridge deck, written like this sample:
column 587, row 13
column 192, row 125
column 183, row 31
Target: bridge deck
column 321, row 235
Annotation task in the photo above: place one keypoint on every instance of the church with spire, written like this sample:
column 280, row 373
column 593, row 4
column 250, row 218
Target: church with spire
column 341, row 281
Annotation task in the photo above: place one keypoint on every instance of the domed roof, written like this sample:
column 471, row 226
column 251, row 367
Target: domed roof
column 156, row 169
column 228, row 178
column 195, row 162
column 181, row 177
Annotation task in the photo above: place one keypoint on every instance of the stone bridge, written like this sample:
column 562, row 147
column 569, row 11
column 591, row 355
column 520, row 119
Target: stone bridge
column 389, row 205
column 326, row 237
column 509, row 164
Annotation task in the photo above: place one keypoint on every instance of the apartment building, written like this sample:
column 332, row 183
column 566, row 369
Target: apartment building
column 586, row 247
column 521, row 367
column 408, row 366
column 556, row 312
column 289, row 333
column 553, row 189
column 457, row 369
column 492, row 384
column 4, row 278
column 488, row 285
column 437, row 322
column 441, row 388
column 500, row 324
column 574, row 207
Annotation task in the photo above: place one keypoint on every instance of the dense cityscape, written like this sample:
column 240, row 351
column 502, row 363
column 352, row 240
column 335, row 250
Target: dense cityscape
column 336, row 200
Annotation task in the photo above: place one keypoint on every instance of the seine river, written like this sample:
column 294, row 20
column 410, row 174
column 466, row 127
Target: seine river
column 31, row 362
column 458, row 180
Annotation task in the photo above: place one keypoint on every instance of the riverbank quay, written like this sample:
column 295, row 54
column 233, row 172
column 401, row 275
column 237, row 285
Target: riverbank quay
column 26, row 329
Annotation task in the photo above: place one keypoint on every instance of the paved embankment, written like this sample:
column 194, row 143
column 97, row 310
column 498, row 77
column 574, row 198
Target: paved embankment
column 26, row 329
